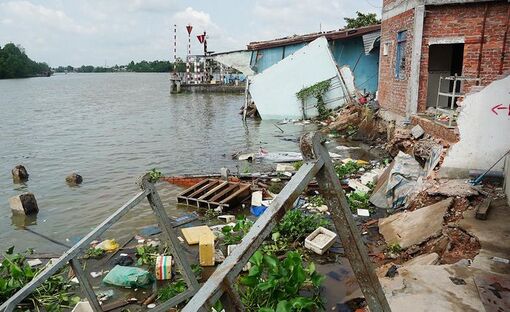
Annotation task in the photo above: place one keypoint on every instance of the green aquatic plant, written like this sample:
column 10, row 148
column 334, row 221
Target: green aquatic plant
column 317, row 91
column 233, row 235
column 279, row 285
column 342, row 170
column 94, row 253
column 53, row 295
column 358, row 200
column 172, row 290
column 296, row 225
column 154, row 175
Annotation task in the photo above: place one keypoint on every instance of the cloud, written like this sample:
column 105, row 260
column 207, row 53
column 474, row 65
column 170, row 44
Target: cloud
column 27, row 13
column 286, row 17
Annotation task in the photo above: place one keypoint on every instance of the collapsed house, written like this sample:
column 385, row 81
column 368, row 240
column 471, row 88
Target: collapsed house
column 433, row 55
column 280, row 68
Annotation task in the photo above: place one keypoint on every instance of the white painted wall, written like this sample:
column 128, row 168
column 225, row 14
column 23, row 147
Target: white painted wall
column 239, row 60
column 484, row 135
column 274, row 90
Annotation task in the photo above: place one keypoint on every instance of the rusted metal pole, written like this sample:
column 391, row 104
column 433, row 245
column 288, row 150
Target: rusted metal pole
column 329, row 186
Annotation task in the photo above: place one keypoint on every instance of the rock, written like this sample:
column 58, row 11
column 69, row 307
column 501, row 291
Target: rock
column 24, row 203
column 417, row 132
column 74, row 178
column 426, row 259
column 410, row 228
column 454, row 187
column 358, row 186
column 19, row 174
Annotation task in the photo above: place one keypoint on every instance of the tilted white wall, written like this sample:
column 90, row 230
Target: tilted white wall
column 274, row 90
column 484, row 134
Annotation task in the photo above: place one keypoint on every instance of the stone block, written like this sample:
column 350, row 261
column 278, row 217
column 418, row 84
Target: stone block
column 24, row 203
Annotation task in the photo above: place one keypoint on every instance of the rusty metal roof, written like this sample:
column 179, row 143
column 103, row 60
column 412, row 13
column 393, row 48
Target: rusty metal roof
column 330, row 35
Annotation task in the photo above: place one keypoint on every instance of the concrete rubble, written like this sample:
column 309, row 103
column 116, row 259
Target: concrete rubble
column 412, row 228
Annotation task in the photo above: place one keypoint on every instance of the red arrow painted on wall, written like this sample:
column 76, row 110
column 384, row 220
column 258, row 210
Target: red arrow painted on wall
column 498, row 107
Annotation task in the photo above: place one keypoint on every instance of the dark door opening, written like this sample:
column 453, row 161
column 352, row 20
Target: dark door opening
column 444, row 60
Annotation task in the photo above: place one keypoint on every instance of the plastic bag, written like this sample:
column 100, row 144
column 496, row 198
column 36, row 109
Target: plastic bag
column 130, row 277
column 108, row 245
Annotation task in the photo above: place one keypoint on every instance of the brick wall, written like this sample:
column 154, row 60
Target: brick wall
column 461, row 20
column 466, row 20
column 393, row 91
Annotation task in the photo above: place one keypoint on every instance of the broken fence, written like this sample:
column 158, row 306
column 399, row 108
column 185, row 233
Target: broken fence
column 219, row 286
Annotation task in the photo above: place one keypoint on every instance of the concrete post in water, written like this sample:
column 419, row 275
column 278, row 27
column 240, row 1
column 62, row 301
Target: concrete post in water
column 24, row 204
column 74, row 179
column 19, row 174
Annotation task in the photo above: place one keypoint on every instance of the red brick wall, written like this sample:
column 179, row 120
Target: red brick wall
column 466, row 20
column 393, row 91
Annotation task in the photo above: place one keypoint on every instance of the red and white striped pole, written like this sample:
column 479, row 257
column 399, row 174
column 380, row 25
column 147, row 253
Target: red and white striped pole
column 175, row 48
column 189, row 28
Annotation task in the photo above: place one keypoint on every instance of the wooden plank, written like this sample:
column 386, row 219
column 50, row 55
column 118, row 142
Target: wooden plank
column 482, row 210
column 165, row 306
column 312, row 148
column 222, row 193
column 10, row 304
column 85, row 284
column 203, row 189
column 216, row 189
column 191, row 189
column 240, row 192
column 211, row 291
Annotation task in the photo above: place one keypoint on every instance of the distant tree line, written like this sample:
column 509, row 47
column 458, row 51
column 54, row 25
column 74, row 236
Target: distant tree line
column 14, row 63
column 140, row 67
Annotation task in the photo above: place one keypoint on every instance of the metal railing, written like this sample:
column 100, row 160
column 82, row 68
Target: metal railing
column 219, row 286
column 71, row 256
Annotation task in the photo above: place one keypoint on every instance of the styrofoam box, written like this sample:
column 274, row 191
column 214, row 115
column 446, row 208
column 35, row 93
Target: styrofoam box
column 320, row 240
column 83, row 306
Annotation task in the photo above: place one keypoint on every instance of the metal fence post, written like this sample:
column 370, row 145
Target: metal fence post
column 312, row 148
column 175, row 248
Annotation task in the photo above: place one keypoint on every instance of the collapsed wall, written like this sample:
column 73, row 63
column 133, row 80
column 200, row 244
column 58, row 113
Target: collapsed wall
column 484, row 128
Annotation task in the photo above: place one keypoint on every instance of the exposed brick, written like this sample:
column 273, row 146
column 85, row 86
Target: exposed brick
column 444, row 21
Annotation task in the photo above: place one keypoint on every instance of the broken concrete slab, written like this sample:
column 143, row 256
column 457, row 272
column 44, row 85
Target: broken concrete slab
column 358, row 186
column 424, row 288
column 411, row 228
column 426, row 259
column 454, row 187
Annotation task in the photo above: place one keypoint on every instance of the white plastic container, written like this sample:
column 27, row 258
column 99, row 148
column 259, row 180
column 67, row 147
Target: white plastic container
column 83, row 306
column 320, row 240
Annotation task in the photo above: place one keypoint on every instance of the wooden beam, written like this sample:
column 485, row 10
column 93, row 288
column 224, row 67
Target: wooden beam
column 212, row 290
column 329, row 184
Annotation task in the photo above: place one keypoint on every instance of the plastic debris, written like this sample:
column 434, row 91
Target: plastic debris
column 108, row 245
column 129, row 277
column 163, row 268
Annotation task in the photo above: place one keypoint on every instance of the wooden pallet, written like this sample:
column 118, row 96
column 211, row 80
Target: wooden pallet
column 213, row 193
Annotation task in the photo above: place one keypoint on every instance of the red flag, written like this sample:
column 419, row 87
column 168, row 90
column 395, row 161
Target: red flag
column 201, row 38
column 189, row 28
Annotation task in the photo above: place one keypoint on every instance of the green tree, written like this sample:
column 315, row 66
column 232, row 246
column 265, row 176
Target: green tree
column 14, row 63
column 361, row 20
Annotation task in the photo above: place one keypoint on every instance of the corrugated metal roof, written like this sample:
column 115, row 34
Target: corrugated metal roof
column 369, row 40
column 330, row 35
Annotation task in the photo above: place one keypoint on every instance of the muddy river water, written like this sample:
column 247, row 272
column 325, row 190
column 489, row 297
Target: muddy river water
column 111, row 128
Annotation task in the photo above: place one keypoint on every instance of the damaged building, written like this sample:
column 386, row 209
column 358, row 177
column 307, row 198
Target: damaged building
column 348, row 58
column 444, row 65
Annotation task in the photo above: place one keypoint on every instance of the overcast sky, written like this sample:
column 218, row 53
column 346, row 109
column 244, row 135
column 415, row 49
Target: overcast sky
column 63, row 32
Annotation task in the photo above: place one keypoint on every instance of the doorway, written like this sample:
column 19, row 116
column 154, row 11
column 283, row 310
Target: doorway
column 444, row 60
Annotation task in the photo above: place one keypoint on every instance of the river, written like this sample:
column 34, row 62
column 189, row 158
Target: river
column 111, row 128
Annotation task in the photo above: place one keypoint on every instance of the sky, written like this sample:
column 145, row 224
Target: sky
column 95, row 32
